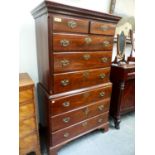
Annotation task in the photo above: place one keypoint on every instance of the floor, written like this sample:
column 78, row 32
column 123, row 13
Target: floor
column 113, row 142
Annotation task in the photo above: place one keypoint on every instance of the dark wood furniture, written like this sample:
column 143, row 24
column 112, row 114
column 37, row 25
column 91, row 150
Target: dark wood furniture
column 123, row 92
column 74, row 49
column 28, row 130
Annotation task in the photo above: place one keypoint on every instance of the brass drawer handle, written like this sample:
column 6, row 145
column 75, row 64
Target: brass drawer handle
column 101, row 107
column 64, row 42
column 104, row 27
column 86, row 56
column 72, row 24
column 102, row 75
column 100, row 120
column 66, row 120
column 106, row 43
column 104, row 59
column 66, row 104
column 86, row 111
column 66, row 134
column 88, row 40
column 86, row 74
column 64, row 62
column 64, row 82
column 102, row 94
column 84, row 124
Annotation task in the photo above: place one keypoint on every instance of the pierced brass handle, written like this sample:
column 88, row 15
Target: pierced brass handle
column 72, row 24
column 64, row 62
column 64, row 42
column 102, row 76
column 102, row 94
column 86, row 56
column 88, row 40
column 104, row 27
column 84, row 124
column 66, row 120
column 104, row 59
column 101, row 107
column 64, row 82
column 106, row 43
column 66, row 104
column 86, row 111
column 100, row 120
column 66, row 135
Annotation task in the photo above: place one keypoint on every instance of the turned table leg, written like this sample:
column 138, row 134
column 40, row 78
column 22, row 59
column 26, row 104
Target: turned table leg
column 117, row 123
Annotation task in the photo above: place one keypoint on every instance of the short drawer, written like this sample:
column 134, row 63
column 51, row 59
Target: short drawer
column 26, row 110
column 70, row 42
column 67, row 103
column 102, row 28
column 28, row 142
column 73, row 61
column 80, row 79
column 25, row 95
column 27, row 126
column 71, row 132
column 73, row 117
column 69, row 24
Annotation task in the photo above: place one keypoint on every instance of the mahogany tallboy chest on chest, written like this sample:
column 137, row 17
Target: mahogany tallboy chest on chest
column 28, row 130
column 74, row 49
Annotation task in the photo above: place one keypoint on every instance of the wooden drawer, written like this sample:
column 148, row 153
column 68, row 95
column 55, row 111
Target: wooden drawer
column 25, row 95
column 70, row 132
column 26, row 110
column 74, row 61
column 70, row 42
column 102, row 28
column 70, row 24
column 27, row 126
column 80, row 79
column 67, row 103
column 28, row 142
column 73, row 117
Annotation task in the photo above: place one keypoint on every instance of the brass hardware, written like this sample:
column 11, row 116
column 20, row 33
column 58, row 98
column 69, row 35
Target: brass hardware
column 86, row 56
column 101, row 107
column 85, row 95
column 84, row 124
column 104, row 27
column 64, row 62
column 100, row 120
column 66, row 120
column 104, row 59
column 88, row 40
column 72, row 24
column 66, row 135
column 66, row 104
column 102, row 94
column 86, row 111
column 106, row 43
column 102, row 76
column 64, row 82
column 64, row 42
column 86, row 74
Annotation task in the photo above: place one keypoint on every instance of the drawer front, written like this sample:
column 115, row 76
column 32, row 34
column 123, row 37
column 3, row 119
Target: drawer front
column 73, row 117
column 71, row 102
column 70, row 42
column 26, row 110
column 27, row 126
column 25, row 95
column 71, row 132
column 68, row 24
column 102, row 28
column 28, row 142
column 80, row 79
column 74, row 61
